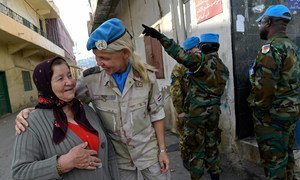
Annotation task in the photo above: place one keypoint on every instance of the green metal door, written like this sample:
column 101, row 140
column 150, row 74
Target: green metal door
column 4, row 98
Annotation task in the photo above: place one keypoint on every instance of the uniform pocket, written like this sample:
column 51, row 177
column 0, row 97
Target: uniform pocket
column 139, row 117
column 285, row 112
column 108, row 117
column 284, row 117
column 153, row 170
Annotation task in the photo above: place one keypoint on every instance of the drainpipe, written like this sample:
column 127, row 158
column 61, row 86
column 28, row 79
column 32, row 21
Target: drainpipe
column 174, row 21
column 182, row 18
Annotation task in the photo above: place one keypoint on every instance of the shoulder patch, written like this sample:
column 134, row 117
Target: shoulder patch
column 92, row 70
column 265, row 48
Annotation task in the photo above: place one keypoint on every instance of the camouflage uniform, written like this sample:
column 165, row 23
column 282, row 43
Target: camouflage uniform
column 207, row 83
column 179, row 88
column 126, row 116
column 275, row 102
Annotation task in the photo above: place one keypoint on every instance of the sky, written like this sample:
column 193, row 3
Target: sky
column 75, row 14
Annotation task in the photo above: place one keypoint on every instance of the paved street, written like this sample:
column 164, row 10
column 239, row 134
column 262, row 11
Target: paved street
column 238, row 170
column 7, row 134
column 232, row 169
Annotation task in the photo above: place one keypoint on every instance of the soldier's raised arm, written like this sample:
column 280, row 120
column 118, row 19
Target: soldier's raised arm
column 192, row 61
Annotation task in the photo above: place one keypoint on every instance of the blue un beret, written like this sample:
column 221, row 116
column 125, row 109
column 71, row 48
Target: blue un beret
column 276, row 11
column 105, row 34
column 190, row 43
column 209, row 37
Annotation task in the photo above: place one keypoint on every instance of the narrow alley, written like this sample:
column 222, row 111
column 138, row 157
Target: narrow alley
column 238, row 170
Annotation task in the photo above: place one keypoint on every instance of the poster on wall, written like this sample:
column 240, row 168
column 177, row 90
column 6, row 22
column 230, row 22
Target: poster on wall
column 206, row 9
column 294, row 5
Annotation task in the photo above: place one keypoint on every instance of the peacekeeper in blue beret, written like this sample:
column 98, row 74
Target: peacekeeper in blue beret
column 274, row 97
column 179, row 89
column 125, row 95
column 202, row 105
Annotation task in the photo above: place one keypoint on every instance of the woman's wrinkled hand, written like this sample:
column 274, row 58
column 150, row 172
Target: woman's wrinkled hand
column 79, row 157
column 21, row 120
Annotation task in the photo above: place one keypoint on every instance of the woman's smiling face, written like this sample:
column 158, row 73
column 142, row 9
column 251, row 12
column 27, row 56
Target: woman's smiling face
column 62, row 82
column 112, row 62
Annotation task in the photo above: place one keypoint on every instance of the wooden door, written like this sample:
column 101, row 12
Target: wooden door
column 4, row 97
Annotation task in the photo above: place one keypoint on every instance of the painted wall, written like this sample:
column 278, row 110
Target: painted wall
column 24, row 10
column 177, row 20
column 13, row 65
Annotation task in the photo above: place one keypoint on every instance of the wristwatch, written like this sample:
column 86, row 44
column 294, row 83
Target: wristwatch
column 163, row 150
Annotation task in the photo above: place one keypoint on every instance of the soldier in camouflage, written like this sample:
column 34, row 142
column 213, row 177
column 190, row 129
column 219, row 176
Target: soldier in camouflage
column 274, row 98
column 202, row 105
column 179, row 89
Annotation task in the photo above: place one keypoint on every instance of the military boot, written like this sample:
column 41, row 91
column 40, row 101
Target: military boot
column 215, row 176
column 186, row 164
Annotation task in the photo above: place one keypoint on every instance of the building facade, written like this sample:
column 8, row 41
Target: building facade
column 30, row 31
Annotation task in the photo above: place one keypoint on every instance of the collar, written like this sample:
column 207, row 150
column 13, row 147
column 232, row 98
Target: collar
column 133, row 74
column 276, row 36
column 120, row 78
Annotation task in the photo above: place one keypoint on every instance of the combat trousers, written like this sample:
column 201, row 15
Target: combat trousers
column 201, row 139
column 151, row 173
column 275, row 138
column 180, row 130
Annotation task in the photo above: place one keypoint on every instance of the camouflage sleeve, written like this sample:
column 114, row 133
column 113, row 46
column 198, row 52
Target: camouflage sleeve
column 176, row 90
column 82, row 91
column 216, row 74
column 266, row 75
column 192, row 61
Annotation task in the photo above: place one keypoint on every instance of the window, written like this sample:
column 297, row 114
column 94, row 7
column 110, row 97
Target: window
column 154, row 55
column 26, row 80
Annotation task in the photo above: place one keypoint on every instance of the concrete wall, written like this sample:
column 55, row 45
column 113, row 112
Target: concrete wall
column 13, row 65
column 24, row 10
column 177, row 20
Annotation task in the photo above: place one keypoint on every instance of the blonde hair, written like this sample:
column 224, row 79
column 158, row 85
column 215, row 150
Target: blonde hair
column 125, row 42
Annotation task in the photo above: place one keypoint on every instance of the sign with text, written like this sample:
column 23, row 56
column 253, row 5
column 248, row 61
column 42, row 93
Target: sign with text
column 294, row 4
column 206, row 9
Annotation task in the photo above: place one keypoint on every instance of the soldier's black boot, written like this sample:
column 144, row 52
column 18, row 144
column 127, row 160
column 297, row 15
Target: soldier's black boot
column 186, row 164
column 215, row 176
